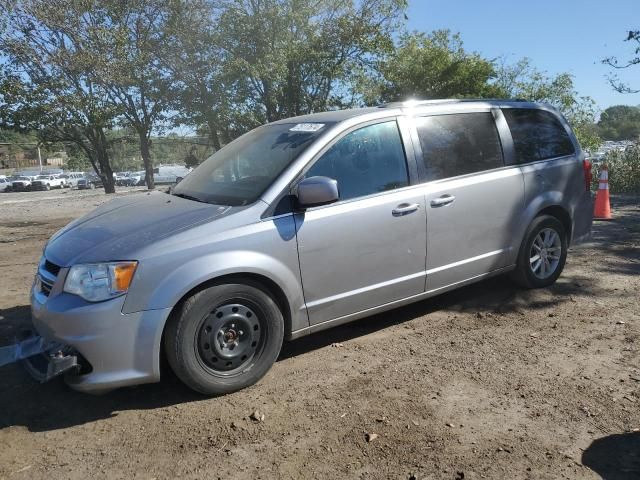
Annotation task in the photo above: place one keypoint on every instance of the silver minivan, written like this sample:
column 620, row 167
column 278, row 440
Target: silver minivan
column 304, row 224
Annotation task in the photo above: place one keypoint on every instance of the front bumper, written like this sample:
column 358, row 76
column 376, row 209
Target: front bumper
column 120, row 349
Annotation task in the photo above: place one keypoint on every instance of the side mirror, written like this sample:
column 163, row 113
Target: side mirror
column 314, row 191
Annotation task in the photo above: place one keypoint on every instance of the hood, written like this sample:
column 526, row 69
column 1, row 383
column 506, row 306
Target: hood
column 116, row 230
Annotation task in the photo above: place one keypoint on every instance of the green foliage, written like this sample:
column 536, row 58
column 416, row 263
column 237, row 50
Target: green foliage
column 241, row 63
column 110, row 76
column 47, row 86
column 430, row 66
column 78, row 163
column 620, row 122
column 624, row 171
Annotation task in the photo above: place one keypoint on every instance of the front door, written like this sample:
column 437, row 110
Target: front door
column 474, row 203
column 367, row 249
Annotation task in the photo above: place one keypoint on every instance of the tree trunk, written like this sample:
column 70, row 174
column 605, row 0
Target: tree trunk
column 97, row 151
column 145, row 152
column 213, row 131
column 108, row 182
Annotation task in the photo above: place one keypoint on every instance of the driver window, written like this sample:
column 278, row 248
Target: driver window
column 366, row 161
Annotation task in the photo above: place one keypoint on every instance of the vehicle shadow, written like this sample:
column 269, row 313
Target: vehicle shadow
column 52, row 406
column 616, row 457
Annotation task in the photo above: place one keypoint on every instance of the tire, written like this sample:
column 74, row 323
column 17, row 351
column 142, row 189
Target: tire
column 224, row 338
column 538, row 273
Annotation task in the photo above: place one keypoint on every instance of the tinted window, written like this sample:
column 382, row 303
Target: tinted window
column 537, row 135
column 458, row 144
column 366, row 161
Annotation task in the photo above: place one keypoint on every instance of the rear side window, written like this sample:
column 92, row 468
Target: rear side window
column 537, row 135
column 459, row 144
column 365, row 161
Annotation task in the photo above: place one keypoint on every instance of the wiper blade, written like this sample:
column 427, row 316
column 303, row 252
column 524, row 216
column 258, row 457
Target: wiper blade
column 188, row 197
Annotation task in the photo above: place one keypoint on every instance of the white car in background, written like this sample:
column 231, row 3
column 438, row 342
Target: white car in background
column 71, row 179
column 21, row 184
column 47, row 182
column 4, row 183
column 166, row 174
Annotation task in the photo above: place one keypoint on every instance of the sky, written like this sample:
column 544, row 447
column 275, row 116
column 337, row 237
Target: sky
column 558, row 36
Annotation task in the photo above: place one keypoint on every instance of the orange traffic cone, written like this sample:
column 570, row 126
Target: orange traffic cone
column 602, row 208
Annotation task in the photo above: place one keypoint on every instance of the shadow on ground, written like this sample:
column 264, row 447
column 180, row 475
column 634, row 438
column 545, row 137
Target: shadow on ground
column 52, row 406
column 616, row 457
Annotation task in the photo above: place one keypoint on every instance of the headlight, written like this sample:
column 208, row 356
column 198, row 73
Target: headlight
column 100, row 281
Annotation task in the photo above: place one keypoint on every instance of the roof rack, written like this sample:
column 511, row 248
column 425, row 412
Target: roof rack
column 417, row 102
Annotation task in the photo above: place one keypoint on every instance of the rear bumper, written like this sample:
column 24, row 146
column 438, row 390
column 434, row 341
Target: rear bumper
column 120, row 349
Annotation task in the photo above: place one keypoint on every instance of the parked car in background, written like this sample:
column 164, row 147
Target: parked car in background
column 167, row 174
column 21, row 184
column 71, row 179
column 141, row 176
column 89, row 182
column 120, row 177
column 4, row 183
column 130, row 179
column 47, row 182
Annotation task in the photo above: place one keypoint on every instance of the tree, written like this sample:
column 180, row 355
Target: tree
column 128, row 37
column 206, row 89
column 427, row 66
column 247, row 62
column 47, row 86
column 620, row 122
column 633, row 36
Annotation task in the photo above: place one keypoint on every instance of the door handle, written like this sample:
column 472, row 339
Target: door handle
column 442, row 201
column 405, row 208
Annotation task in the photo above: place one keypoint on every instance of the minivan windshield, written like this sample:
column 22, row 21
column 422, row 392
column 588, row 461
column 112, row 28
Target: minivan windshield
column 241, row 171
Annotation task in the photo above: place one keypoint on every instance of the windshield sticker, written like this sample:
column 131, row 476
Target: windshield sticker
column 307, row 127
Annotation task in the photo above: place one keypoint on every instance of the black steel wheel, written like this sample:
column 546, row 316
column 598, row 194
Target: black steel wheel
column 229, row 338
column 224, row 338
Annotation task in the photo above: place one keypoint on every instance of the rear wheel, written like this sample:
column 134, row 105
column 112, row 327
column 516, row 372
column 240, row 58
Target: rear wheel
column 542, row 254
column 224, row 338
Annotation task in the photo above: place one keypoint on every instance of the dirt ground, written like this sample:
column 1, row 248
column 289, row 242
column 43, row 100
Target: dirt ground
column 486, row 382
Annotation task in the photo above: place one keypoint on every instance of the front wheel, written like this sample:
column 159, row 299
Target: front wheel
column 224, row 338
column 542, row 254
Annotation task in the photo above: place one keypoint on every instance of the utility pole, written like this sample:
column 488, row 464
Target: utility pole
column 39, row 159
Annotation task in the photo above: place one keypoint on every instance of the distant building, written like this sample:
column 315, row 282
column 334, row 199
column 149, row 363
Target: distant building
column 16, row 158
column 56, row 159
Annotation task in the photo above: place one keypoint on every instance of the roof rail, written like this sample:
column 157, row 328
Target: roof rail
column 417, row 102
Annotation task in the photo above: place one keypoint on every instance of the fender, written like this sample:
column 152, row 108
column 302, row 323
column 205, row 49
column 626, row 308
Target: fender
column 206, row 269
column 209, row 251
column 546, row 199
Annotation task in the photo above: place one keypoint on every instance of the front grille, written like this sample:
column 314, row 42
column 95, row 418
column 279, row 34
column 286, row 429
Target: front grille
column 51, row 268
column 45, row 288
column 47, row 273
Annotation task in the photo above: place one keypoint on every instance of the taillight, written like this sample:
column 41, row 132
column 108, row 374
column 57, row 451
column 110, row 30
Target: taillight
column 588, row 175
